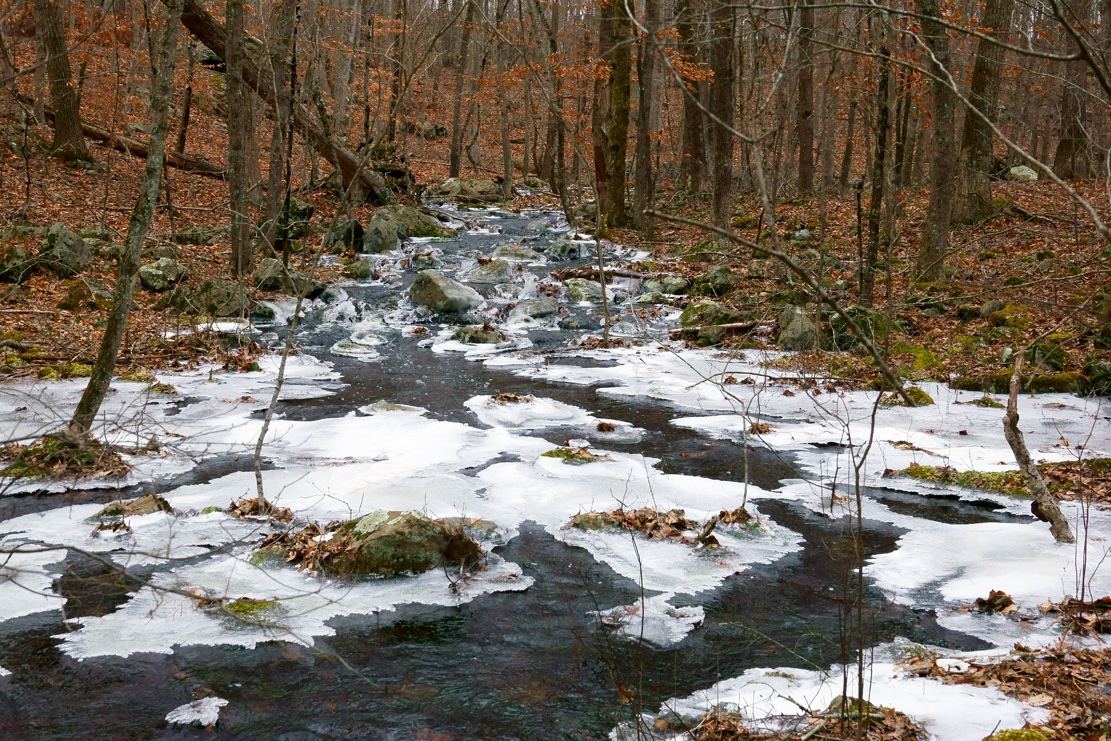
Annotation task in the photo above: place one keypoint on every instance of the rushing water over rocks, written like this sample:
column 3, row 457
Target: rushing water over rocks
column 523, row 655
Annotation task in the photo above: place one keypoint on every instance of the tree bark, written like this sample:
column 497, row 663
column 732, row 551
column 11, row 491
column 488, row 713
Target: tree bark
column 973, row 200
column 644, row 180
column 462, row 60
column 879, row 164
column 804, row 114
column 612, row 87
column 141, row 216
column 693, row 154
column 238, row 113
column 1047, row 504
column 721, row 111
column 943, row 165
column 212, row 34
column 69, row 143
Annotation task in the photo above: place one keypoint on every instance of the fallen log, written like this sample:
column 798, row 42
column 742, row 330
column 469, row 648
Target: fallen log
column 138, row 148
column 367, row 182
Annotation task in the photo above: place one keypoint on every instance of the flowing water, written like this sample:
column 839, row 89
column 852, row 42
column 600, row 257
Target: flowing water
column 517, row 665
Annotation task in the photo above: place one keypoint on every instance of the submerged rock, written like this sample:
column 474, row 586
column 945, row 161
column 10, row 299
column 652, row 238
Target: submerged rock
column 436, row 292
column 484, row 335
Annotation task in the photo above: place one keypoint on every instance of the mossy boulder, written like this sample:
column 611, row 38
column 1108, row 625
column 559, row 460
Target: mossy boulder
column 147, row 504
column 872, row 323
column 16, row 265
column 436, row 292
column 796, row 330
column 409, row 222
column 581, row 289
column 1019, row 734
column 917, row 395
column 1012, row 317
column 1065, row 382
column 468, row 190
column 360, row 270
column 347, row 235
column 494, row 271
column 707, row 312
column 162, row 275
column 199, row 235
column 395, row 543
column 721, row 281
column 272, row 275
column 64, row 253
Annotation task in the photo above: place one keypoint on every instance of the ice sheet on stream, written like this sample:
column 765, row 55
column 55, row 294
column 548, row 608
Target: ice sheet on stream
column 938, row 566
column 764, row 696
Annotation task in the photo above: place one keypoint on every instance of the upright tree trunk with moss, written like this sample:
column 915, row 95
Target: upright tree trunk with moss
column 943, row 166
column 279, row 53
column 612, row 88
column 973, row 199
column 720, row 107
column 69, row 141
column 238, row 114
column 644, row 180
column 161, row 89
column 878, row 176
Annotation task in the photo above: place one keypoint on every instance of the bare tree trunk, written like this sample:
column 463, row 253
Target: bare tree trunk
column 500, row 53
column 141, row 216
column 804, row 114
column 462, row 60
column 973, row 200
column 943, row 167
column 1072, row 158
column 237, row 114
column 879, row 165
column 644, row 180
column 69, row 143
column 612, row 87
column 847, row 154
column 693, row 153
column 186, row 106
column 1046, row 504
column 721, row 110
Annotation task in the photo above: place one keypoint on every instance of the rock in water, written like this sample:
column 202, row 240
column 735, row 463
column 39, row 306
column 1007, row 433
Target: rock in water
column 495, row 271
column 395, row 543
column 436, row 292
column 409, row 222
column 64, row 252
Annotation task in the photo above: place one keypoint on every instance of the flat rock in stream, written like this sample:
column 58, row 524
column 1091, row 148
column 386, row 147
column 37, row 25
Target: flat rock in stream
column 495, row 271
column 436, row 292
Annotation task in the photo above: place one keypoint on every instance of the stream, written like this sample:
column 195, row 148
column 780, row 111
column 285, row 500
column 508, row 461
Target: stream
column 529, row 664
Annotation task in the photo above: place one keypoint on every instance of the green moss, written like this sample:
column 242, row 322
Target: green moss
column 1065, row 382
column 245, row 607
column 1000, row 482
column 1016, row 317
column 917, row 395
column 745, row 222
column 1045, row 255
column 49, row 374
column 77, row 370
column 987, row 401
column 1019, row 734
column 211, row 508
column 572, row 455
column 923, row 362
column 137, row 376
column 987, row 255
column 162, row 388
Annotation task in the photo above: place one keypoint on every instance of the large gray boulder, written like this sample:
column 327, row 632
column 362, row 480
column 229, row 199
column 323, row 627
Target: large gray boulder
column 409, row 222
column 64, row 253
column 348, row 235
column 468, row 190
column 436, row 292
column 15, row 265
column 272, row 275
column 1022, row 174
column 537, row 308
column 380, row 236
column 161, row 275
column 796, row 331
column 517, row 251
column 495, row 271
column 219, row 297
column 581, row 289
